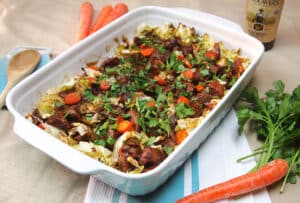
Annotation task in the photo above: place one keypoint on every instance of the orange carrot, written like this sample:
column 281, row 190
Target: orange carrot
column 187, row 63
column 159, row 80
column 119, row 119
column 146, row 51
column 122, row 8
column 91, row 79
column 104, row 85
column 93, row 67
column 125, row 126
column 180, row 136
column 183, row 99
column 150, row 103
column 85, row 20
column 104, row 12
column 41, row 126
column 189, row 74
column 268, row 174
column 199, row 88
column 72, row 98
column 240, row 70
column 118, row 10
column 180, row 57
column 211, row 55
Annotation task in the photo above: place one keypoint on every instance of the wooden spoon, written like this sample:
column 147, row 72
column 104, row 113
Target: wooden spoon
column 19, row 66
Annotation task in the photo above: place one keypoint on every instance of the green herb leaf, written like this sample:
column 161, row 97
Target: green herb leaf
column 88, row 116
column 101, row 130
column 58, row 104
column 183, row 111
column 110, row 141
column 204, row 72
column 153, row 122
column 165, row 125
column 88, row 95
column 168, row 149
column 100, row 142
column 277, row 124
column 150, row 141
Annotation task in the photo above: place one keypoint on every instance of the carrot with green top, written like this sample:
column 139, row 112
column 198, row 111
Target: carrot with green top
column 104, row 12
column 85, row 20
column 268, row 174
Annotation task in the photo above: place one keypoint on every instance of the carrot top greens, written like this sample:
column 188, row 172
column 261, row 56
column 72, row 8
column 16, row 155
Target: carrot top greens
column 276, row 118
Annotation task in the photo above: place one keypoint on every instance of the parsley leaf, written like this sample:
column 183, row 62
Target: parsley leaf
column 168, row 149
column 276, row 120
column 110, row 141
column 101, row 130
column 151, row 141
column 100, row 142
column 88, row 95
column 183, row 111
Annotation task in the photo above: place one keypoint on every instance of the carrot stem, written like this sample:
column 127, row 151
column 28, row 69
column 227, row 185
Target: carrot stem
column 295, row 156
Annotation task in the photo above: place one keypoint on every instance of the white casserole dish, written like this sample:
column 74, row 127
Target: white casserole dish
column 26, row 94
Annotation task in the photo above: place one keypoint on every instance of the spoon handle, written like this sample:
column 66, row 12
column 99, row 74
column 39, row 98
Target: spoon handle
column 5, row 91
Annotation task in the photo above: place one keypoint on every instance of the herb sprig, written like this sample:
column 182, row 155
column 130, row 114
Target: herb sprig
column 276, row 118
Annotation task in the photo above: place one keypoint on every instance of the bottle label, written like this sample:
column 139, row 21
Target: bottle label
column 262, row 18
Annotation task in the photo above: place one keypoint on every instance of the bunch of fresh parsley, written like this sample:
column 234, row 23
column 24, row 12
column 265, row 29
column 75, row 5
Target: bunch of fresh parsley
column 276, row 118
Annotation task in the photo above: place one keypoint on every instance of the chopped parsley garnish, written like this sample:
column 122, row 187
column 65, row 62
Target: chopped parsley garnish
column 204, row 72
column 151, row 141
column 140, row 90
column 178, row 84
column 165, row 125
column 175, row 64
column 160, row 48
column 88, row 95
column 101, row 130
column 110, row 141
column 168, row 149
column 183, row 111
column 100, row 142
column 58, row 104
column 115, row 89
column 89, row 116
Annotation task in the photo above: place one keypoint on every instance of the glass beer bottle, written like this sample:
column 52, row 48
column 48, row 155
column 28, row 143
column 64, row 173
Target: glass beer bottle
column 262, row 19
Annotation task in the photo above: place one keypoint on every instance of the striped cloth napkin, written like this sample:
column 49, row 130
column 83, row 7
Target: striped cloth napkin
column 212, row 163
